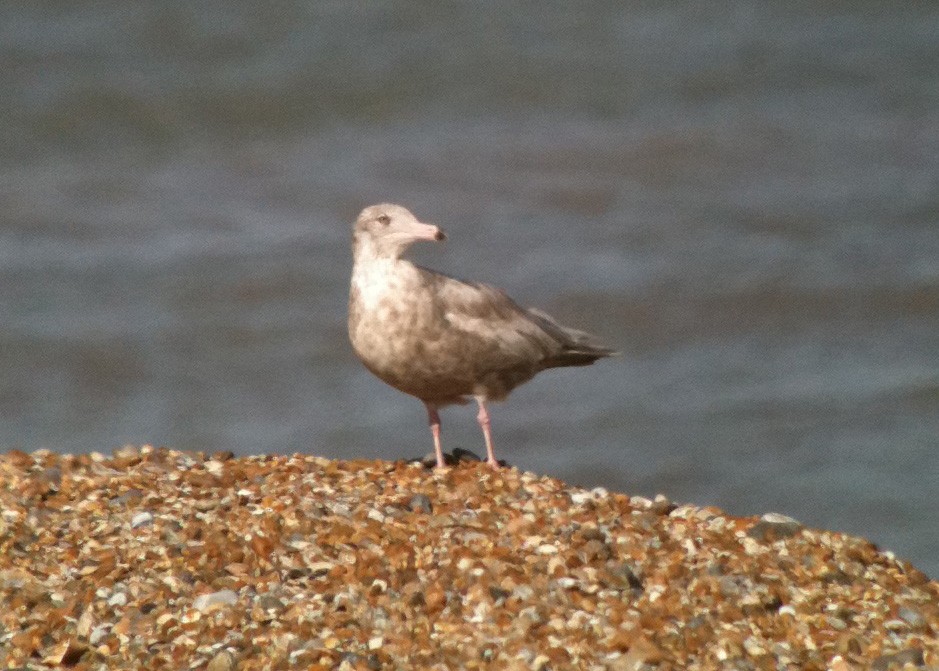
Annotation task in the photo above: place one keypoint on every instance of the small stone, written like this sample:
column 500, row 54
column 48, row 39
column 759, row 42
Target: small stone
column 753, row 648
column 430, row 460
column 912, row 617
column 773, row 526
column 320, row 568
column 84, row 624
column 53, row 476
column 269, row 602
column 420, row 503
column 215, row 467
column 295, row 655
column 66, row 653
column 640, row 502
column 118, row 599
column 141, row 519
column 460, row 455
column 642, row 651
column 223, row 661
column 127, row 452
column 837, row 663
column 837, row 623
column 98, row 633
column 541, row 663
column 580, row 498
column 215, row 600
column 662, row 505
column 376, row 643
column 629, row 576
column 498, row 594
column 912, row 656
column 133, row 494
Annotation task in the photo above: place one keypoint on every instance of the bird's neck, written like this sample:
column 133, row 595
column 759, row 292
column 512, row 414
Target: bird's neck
column 374, row 279
column 365, row 250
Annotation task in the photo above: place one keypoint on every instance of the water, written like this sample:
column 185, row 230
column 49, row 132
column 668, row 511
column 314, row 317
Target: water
column 745, row 202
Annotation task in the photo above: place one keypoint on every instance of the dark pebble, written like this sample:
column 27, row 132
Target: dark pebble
column 498, row 594
column 420, row 503
column 629, row 576
column 461, row 455
column 912, row 656
column 662, row 505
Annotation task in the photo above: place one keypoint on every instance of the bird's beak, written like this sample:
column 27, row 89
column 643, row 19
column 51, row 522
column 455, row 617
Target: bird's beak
column 428, row 232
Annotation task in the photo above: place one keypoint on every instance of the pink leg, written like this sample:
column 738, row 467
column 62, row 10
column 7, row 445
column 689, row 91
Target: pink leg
column 434, row 420
column 483, row 418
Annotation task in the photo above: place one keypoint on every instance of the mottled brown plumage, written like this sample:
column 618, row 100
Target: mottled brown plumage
column 440, row 339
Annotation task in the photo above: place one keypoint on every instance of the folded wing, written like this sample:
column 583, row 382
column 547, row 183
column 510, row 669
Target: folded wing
column 509, row 334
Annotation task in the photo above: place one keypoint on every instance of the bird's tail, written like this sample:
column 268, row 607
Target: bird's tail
column 578, row 348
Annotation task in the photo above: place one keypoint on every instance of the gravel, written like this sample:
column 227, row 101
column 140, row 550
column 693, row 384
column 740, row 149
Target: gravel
column 157, row 559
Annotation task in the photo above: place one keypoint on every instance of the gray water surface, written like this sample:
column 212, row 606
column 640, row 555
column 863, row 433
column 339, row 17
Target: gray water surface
column 745, row 202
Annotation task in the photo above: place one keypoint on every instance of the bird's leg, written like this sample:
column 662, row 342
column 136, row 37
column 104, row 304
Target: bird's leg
column 483, row 418
column 434, row 419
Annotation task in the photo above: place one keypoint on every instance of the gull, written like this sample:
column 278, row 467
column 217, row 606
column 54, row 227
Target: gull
column 440, row 339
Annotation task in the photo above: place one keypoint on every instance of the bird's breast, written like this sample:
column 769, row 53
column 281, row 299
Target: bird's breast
column 387, row 314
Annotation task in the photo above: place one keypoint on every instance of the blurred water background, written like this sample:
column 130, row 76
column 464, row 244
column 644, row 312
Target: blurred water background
column 745, row 200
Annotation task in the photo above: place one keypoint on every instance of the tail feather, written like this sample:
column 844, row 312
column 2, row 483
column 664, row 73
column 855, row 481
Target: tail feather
column 578, row 348
column 575, row 358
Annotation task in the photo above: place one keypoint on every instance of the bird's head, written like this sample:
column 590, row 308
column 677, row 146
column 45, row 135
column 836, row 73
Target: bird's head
column 385, row 231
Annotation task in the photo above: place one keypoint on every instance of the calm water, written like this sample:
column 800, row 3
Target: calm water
column 746, row 203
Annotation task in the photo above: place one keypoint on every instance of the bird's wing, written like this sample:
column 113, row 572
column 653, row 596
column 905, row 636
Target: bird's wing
column 572, row 340
column 486, row 314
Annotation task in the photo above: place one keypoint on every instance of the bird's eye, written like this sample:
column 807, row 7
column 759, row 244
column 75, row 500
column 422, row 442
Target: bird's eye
column 384, row 219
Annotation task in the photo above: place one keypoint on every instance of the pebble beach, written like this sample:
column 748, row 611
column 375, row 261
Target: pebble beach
column 150, row 558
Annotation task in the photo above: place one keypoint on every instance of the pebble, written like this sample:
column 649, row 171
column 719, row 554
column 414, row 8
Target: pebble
column 118, row 599
column 141, row 519
column 461, row 455
column 421, row 503
column 207, row 602
column 773, row 526
column 913, row 656
column 661, row 505
column 580, row 498
column 911, row 616
column 98, row 633
column 223, row 661
column 126, row 453
column 321, row 568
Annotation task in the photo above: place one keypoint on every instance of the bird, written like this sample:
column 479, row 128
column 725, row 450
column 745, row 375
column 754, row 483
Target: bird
column 441, row 339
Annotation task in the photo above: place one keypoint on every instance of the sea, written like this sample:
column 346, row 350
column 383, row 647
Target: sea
column 742, row 197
